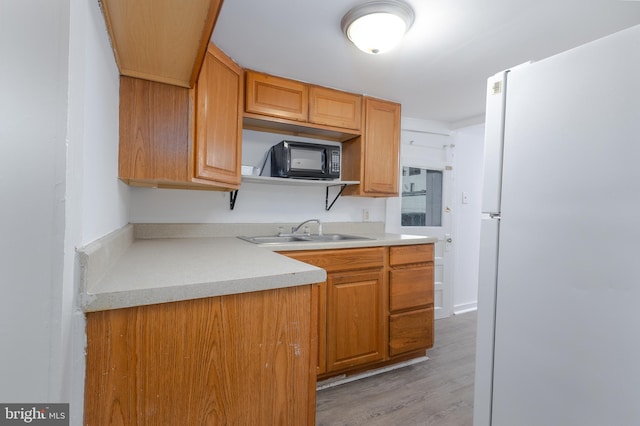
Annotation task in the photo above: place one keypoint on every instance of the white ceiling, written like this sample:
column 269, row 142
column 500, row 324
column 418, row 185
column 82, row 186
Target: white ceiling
column 439, row 71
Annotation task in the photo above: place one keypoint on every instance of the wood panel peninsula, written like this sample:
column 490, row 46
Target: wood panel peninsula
column 216, row 330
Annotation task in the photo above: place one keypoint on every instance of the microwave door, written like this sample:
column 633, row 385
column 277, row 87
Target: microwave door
column 306, row 160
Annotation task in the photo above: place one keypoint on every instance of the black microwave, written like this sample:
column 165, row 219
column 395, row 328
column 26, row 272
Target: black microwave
column 305, row 160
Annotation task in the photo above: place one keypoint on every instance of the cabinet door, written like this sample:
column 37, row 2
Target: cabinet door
column 382, row 147
column 219, row 119
column 335, row 108
column 373, row 157
column 355, row 329
column 276, row 97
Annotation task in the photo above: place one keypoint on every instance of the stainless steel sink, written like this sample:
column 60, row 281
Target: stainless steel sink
column 301, row 238
column 333, row 237
column 271, row 239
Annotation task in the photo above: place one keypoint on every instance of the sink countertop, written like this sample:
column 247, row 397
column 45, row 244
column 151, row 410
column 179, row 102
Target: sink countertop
column 120, row 271
column 375, row 239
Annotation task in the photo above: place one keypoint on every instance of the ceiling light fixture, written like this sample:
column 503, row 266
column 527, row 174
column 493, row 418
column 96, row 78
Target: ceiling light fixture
column 376, row 27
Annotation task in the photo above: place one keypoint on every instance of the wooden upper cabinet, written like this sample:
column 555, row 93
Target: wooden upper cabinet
column 160, row 41
column 335, row 108
column 154, row 133
column 219, row 119
column 284, row 106
column 373, row 158
column 168, row 140
column 276, row 96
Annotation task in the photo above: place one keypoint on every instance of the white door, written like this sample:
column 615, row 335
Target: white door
column 424, row 205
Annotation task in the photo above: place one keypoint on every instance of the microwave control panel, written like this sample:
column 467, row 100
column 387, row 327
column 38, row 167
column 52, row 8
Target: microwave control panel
column 334, row 163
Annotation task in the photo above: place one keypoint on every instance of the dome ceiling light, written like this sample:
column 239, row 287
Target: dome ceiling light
column 376, row 27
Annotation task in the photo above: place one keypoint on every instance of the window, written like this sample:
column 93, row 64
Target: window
column 421, row 197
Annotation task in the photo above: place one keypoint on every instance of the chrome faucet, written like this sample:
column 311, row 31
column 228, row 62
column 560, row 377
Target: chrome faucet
column 296, row 228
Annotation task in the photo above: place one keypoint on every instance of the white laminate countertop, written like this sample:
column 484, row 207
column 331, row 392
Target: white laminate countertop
column 120, row 271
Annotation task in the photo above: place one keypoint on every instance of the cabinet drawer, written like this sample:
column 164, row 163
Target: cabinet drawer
column 342, row 259
column 410, row 331
column 276, row 96
column 411, row 287
column 402, row 255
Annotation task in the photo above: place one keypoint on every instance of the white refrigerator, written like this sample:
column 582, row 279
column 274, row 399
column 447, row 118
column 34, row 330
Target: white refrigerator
column 558, row 340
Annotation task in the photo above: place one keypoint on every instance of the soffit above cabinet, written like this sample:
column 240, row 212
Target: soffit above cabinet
column 163, row 41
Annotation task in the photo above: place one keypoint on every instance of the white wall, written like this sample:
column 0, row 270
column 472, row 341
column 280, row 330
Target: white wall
column 469, row 143
column 58, row 163
column 97, row 203
column 33, row 93
column 95, row 79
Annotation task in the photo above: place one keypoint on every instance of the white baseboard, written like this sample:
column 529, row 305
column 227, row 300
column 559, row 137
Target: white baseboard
column 465, row 307
column 341, row 380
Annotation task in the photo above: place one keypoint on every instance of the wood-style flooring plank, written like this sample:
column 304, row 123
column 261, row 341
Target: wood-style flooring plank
column 437, row 392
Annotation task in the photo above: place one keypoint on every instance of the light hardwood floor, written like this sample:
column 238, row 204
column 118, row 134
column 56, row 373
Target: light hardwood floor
column 437, row 392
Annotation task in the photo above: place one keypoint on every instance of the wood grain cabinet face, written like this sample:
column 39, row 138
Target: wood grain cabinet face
column 160, row 41
column 335, row 108
column 353, row 311
column 219, row 119
column 284, row 106
column 154, row 132
column 242, row 359
column 321, row 324
column 410, row 287
column 170, row 140
column 373, row 158
column 411, row 292
column 355, row 329
column 276, row 96
column 382, row 141
column 411, row 330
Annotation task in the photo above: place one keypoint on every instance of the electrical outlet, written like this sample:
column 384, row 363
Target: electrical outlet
column 365, row 215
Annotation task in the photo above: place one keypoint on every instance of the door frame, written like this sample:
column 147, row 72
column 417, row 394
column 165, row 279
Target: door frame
column 444, row 251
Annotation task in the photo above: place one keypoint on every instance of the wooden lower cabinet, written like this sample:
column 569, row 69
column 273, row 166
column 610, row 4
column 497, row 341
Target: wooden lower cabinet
column 410, row 331
column 355, row 319
column 354, row 308
column 411, row 284
column 242, row 359
column 376, row 307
